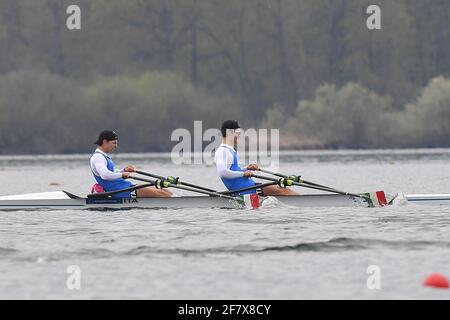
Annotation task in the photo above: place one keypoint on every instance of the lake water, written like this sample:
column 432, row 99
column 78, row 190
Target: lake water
column 271, row 253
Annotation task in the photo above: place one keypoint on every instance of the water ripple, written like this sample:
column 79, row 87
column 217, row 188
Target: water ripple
column 7, row 251
column 339, row 244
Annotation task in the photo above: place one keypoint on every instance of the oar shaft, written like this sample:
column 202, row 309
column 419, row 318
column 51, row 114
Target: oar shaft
column 195, row 186
column 149, row 174
column 213, row 194
column 312, row 187
column 303, row 181
column 181, row 182
column 258, row 186
column 273, row 173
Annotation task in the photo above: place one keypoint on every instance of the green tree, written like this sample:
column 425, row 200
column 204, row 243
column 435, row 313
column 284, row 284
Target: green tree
column 349, row 117
column 426, row 122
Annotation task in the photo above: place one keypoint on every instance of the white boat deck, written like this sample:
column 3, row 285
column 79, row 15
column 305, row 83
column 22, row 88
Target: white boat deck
column 54, row 195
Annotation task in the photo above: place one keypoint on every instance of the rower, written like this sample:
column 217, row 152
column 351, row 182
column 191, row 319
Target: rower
column 103, row 169
column 227, row 164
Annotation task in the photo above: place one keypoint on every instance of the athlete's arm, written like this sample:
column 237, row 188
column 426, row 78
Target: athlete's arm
column 224, row 161
column 99, row 166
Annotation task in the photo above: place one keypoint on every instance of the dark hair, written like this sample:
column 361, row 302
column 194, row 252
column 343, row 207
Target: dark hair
column 106, row 135
column 228, row 124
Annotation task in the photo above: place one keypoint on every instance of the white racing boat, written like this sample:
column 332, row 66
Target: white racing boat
column 66, row 200
column 211, row 198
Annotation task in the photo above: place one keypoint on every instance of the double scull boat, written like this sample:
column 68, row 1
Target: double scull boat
column 67, row 200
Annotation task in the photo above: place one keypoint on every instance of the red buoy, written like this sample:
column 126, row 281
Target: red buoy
column 436, row 280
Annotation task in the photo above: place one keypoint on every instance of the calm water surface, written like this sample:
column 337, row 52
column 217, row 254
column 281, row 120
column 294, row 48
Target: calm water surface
column 272, row 253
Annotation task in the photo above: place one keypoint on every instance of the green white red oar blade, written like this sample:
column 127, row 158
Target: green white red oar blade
column 377, row 198
column 251, row 201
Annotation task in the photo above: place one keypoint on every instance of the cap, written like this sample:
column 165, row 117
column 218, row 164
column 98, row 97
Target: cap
column 229, row 124
column 106, row 135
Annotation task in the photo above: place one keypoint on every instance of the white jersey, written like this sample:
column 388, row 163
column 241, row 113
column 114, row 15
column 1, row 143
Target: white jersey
column 224, row 160
column 99, row 166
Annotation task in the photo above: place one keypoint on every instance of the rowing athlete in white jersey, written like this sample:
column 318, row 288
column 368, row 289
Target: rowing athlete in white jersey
column 227, row 164
column 103, row 169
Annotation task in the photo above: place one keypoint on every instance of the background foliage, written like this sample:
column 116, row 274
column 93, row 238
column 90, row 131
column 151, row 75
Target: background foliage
column 147, row 67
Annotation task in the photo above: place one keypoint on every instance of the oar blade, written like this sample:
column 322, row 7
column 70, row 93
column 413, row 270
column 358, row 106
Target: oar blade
column 377, row 198
column 251, row 201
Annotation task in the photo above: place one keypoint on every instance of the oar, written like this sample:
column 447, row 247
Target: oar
column 375, row 199
column 174, row 181
column 288, row 182
column 294, row 178
column 110, row 193
column 161, row 183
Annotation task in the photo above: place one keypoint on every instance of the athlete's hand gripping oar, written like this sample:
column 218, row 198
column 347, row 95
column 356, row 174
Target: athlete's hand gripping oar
column 174, row 181
column 378, row 198
column 110, row 193
column 162, row 183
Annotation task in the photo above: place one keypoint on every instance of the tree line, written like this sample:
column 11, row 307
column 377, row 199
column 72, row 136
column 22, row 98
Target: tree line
column 147, row 67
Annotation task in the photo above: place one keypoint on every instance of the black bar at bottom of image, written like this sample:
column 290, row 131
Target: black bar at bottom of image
column 224, row 309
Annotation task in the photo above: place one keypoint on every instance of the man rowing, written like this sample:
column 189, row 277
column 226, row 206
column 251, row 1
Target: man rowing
column 228, row 169
column 103, row 169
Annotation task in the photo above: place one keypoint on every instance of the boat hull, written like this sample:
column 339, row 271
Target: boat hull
column 64, row 200
column 430, row 199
